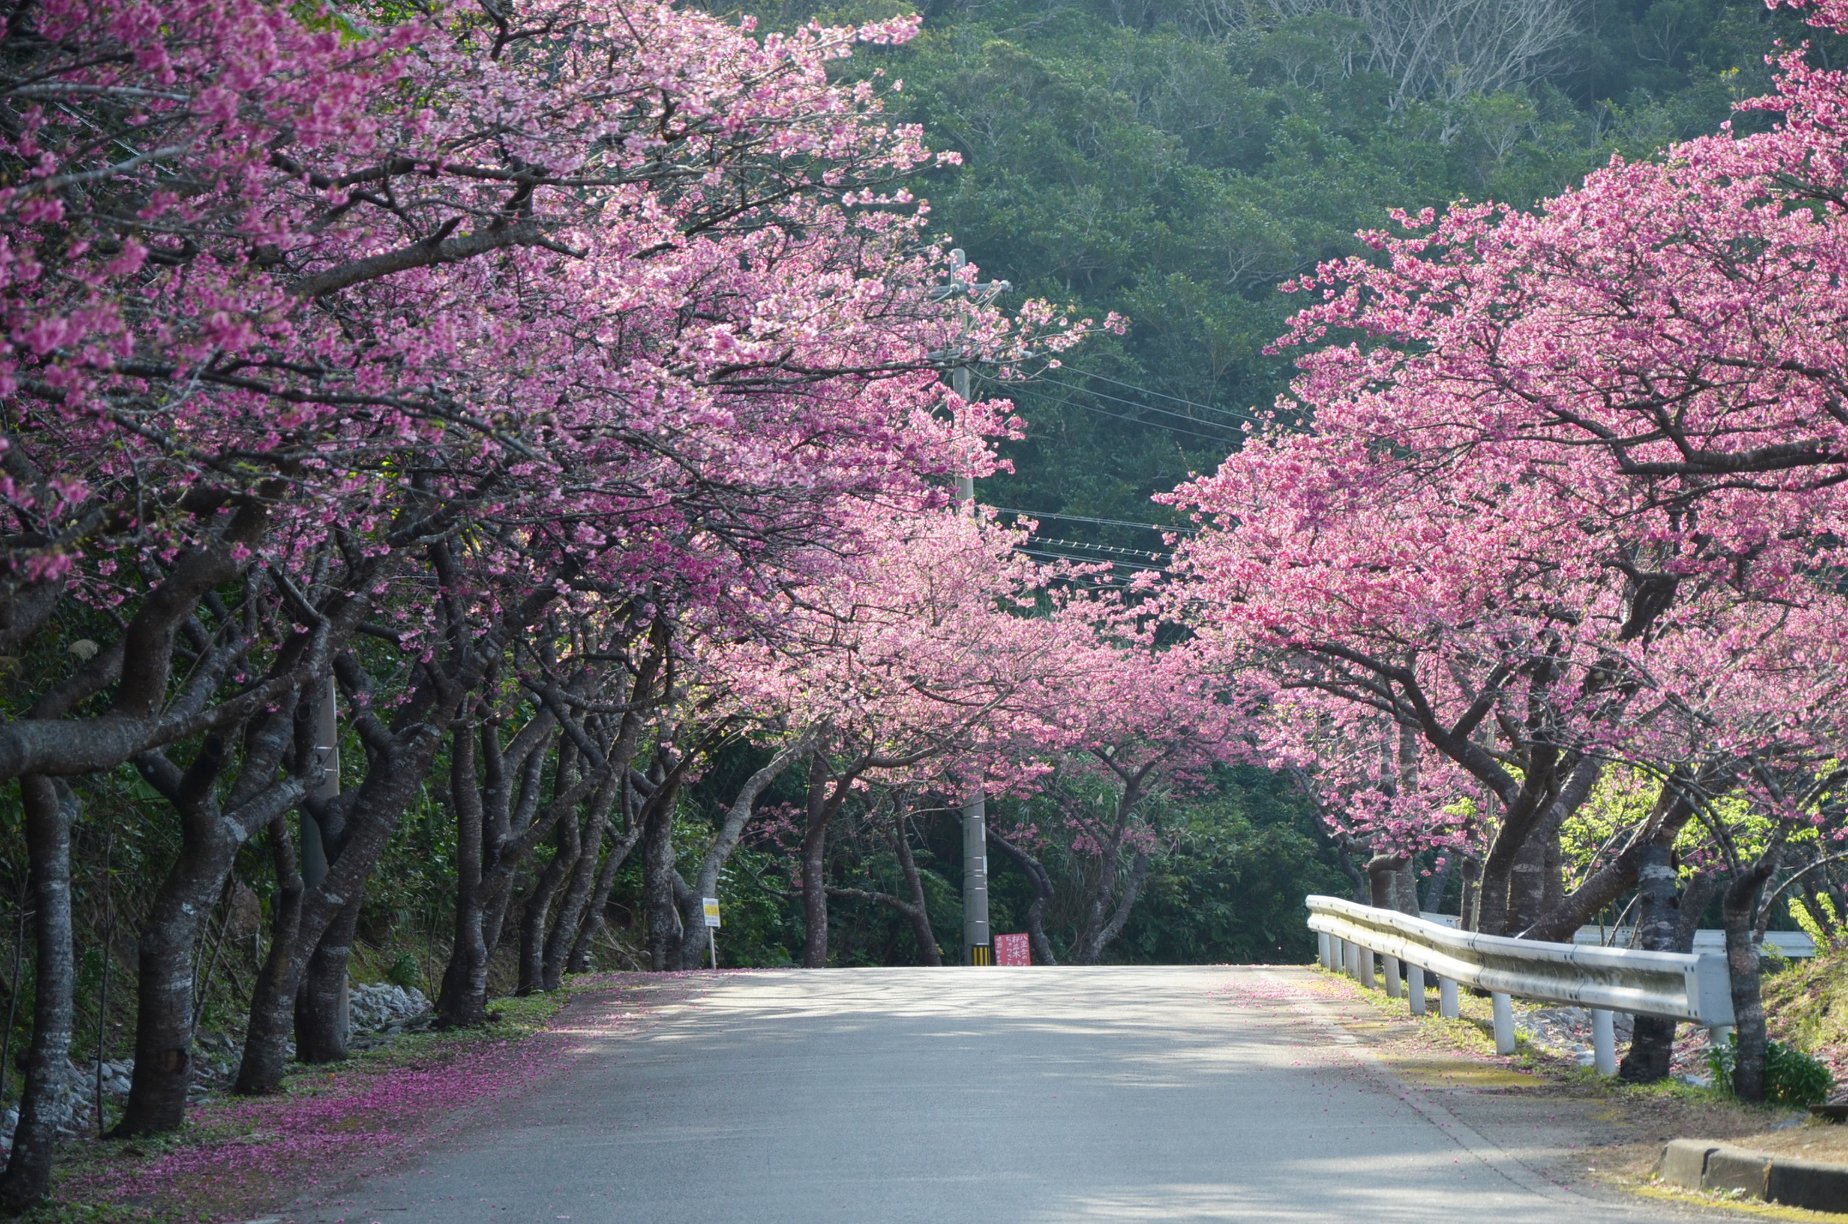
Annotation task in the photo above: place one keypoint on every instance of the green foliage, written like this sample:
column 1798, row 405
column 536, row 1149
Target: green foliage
column 1231, row 887
column 762, row 924
column 405, row 971
column 1791, row 1076
column 412, row 906
column 1807, row 1005
column 1827, row 928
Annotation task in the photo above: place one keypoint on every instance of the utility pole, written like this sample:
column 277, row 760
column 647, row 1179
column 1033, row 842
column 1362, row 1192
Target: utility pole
column 978, row 944
column 326, row 789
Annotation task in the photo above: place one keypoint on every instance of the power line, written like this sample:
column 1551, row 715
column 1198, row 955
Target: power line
column 1086, row 518
column 1059, row 556
column 1117, row 399
column 1117, row 382
column 1109, row 548
column 1215, row 438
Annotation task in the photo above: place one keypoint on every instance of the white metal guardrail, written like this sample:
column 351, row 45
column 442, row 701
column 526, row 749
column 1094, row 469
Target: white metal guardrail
column 1693, row 987
column 1793, row 945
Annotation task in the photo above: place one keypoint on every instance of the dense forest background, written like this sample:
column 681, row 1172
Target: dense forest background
column 1178, row 161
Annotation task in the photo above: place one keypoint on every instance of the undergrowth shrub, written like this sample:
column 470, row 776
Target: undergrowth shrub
column 1791, row 1076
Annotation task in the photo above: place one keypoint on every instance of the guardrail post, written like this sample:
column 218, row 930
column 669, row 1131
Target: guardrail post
column 1322, row 951
column 1415, row 987
column 1603, row 1041
column 1504, row 1022
column 1353, row 960
column 1366, row 967
column 1720, row 1035
column 1447, row 998
column 1395, row 987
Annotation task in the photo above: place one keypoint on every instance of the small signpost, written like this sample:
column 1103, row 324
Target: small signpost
column 1013, row 950
column 711, row 906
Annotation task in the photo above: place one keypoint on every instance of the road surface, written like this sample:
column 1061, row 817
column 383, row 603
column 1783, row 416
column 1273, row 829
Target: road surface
column 976, row 1096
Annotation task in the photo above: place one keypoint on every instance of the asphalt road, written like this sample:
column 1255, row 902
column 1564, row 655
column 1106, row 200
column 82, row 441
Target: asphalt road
column 986, row 1096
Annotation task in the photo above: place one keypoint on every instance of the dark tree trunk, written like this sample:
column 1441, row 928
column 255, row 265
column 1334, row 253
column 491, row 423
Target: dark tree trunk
column 1091, row 949
column 496, row 902
column 658, row 877
column 568, row 917
column 1652, row 1039
column 1393, row 887
column 1553, row 879
column 815, row 893
column 1493, row 890
column 1695, row 899
column 591, row 924
column 462, row 1002
column 272, row 1003
column 322, row 1026
column 49, row 812
column 826, row 793
column 371, row 814
column 211, row 836
column 1526, row 884
column 164, row 999
column 690, row 952
column 1042, row 893
column 537, row 910
column 1657, row 835
column 918, row 908
column 1513, row 886
column 1469, row 898
column 1741, row 909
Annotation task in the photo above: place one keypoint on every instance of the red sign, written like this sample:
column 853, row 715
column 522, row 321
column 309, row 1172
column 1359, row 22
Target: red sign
column 1012, row 950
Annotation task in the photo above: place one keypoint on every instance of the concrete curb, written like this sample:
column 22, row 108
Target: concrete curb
column 1696, row 1164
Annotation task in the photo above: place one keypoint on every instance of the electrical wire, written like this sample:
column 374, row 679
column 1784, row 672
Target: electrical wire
column 1059, row 556
column 1151, row 554
column 1117, row 399
column 1215, row 438
column 1117, row 382
column 1086, row 518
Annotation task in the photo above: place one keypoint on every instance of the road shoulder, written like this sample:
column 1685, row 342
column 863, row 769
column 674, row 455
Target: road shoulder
column 1575, row 1131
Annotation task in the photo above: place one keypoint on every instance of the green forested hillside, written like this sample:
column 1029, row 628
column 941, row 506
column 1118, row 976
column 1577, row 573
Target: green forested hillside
column 1176, row 160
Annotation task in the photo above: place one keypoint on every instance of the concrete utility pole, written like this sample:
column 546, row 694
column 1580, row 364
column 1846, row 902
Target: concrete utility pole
column 978, row 944
column 327, row 789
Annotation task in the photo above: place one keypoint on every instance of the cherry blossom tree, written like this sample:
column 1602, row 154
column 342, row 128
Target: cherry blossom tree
column 1564, row 497
column 1150, row 722
column 931, row 666
column 408, row 332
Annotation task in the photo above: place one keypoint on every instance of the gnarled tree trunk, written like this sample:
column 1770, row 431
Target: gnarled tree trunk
column 536, row 912
column 1041, row 882
column 1741, row 910
column 50, row 809
column 323, row 1030
column 1658, row 924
